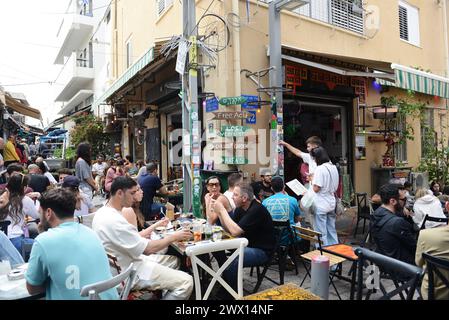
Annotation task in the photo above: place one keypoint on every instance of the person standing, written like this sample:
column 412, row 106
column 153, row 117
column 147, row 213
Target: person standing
column 325, row 183
column 83, row 170
column 67, row 255
column 9, row 154
column 98, row 169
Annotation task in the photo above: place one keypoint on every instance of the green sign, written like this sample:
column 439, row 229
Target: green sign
column 235, row 160
column 233, row 131
column 232, row 101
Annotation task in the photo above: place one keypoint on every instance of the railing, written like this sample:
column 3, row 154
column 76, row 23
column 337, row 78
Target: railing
column 346, row 14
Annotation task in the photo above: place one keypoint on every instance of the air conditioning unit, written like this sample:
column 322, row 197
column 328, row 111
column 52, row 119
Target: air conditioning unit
column 420, row 180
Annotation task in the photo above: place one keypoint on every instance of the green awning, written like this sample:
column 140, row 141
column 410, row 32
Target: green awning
column 418, row 81
column 144, row 61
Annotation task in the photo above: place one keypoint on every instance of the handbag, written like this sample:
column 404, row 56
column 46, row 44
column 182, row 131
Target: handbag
column 308, row 199
column 339, row 208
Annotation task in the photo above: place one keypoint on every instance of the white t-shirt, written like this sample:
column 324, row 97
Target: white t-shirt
column 326, row 177
column 50, row 178
column 99, row 168
column 86, row 205
column 307, row 158
column 29, row 208
column 228, row 194
column 121, row 239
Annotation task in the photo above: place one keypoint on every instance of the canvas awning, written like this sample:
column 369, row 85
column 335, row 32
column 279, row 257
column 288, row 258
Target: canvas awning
column 418, row 81
column 21, row 108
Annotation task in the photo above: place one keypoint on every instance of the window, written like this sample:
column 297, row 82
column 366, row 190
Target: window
column 129, row 55
column 162, row 5
column 409, row 23
column 108, row 17
column 400, row 149
column 427, row 133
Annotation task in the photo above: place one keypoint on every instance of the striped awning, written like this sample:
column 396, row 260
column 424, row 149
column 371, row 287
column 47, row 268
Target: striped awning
column 418, row 81
column 143, row 61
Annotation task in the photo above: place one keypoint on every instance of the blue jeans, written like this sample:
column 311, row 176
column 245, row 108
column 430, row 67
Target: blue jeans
column 18, row 241
column 252, row 257
column 325, row 224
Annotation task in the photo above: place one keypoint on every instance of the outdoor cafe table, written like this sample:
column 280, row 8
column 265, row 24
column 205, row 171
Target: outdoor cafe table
column 15, row 289
column 288, row 291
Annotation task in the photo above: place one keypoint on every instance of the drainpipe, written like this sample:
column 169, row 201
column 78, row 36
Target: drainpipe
column 236, row 46
column 446, row 45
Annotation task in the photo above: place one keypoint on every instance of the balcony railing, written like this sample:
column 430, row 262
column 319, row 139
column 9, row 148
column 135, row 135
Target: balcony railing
column 346, row 14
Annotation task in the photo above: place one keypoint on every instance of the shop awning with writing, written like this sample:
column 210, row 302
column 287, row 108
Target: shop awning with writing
column 418, row 81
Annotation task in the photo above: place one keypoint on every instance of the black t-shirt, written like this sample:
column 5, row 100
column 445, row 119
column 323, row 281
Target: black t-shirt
column 261, row 191
column 38, row 182
column 257, row 225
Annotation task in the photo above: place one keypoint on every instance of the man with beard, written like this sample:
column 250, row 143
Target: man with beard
column 394, row 236
column 262, row 189
column 67, row 255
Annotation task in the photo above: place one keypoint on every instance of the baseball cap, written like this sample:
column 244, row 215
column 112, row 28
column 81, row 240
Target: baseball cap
column 71, row 182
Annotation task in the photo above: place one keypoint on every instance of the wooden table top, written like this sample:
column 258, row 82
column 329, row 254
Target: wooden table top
column 288, row 291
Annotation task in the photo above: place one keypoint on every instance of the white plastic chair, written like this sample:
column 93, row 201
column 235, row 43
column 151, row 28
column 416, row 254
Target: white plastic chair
column 203, row 248
column 93, row 290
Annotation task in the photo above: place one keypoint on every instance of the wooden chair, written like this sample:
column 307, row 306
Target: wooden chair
column 433, row 219
column 404, row 276
column 435, row 266
column 93, row 290
column 315, row 238
column 363, row 211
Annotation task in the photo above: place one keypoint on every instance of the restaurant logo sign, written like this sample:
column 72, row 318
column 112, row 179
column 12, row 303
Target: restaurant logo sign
column 232, row 101
column 230, row 115
column 233, row 131
column 235, row 160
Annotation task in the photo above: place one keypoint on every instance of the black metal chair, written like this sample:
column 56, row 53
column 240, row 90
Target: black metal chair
column 363, row 210
column 433, row 219
column 4, row 226
column 404, row 276
column 435, row 266
column 280, row 253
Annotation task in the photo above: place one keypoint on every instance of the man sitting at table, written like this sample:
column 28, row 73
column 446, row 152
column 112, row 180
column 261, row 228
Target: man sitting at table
column 150, row 184
column 122, row 240
column 252, row 221
column 68, row 256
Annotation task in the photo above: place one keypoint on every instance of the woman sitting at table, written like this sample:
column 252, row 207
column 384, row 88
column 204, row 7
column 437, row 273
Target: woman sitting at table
column 214, row 188
column 133, row 214
column 116, row 170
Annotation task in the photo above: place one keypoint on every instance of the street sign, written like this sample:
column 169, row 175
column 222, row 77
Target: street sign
column 249, row 98
column 229, row 146
column 252, row 118
column 230, row 115
column 233, row 131
column 235, row 160
column 232, row 101
column 211, row 104
column 182, row 56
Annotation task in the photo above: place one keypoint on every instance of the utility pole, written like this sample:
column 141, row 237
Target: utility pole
column 191, row 125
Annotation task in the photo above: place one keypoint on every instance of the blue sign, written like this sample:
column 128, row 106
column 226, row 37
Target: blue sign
column 211, row 104
column 252, row 118
column 249, row 99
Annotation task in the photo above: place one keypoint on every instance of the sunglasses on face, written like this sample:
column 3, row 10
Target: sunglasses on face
column 216, row 184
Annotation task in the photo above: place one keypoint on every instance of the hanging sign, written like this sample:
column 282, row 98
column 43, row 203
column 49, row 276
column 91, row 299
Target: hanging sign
column 249, row 98
column 252, row 118
column 182, row 56
column 230, row 115
column 232, row 101
column 229, row 146
column 233, row 131
column 235, row 160
column 211, row 104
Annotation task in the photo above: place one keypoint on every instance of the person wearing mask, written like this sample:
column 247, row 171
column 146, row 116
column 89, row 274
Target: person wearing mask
column 83, row 169
column 394, row 236
column 325, row 183
column 67, row 255
column 9, row 153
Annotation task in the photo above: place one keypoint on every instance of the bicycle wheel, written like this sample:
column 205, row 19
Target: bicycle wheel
column 214, row 32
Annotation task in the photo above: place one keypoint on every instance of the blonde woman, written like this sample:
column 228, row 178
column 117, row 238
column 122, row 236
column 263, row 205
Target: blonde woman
column 427, row 204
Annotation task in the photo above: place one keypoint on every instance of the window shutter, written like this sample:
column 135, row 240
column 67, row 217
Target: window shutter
column 409, row 23
column 160, row 7
column 403, row 23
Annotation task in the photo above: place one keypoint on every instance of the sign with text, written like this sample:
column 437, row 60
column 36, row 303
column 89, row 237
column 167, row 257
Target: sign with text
column 249, row 98
column 252, row 118
column 235, row 160
column 229, row 146
column 211, row 104
column 232, row 101
column 233, row 131
column 230, row 115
